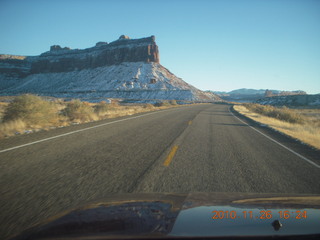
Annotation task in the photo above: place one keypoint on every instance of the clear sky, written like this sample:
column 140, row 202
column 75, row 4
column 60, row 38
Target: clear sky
column 213, row 45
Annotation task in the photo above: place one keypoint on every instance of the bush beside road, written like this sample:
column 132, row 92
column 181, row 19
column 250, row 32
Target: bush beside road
column 30, row 113
column 301, row 124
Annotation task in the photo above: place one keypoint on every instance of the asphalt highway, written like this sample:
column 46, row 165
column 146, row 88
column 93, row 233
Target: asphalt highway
column 199, row 148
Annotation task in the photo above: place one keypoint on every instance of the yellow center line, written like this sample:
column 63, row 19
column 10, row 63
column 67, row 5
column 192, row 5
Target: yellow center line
column 170, row 156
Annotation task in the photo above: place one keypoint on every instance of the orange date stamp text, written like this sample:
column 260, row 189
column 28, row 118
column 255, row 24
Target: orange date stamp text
column 262, row 214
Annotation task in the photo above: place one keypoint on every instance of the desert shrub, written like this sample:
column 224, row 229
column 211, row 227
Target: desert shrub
column 79, row 111
column 148, row 106
column 173, row 102
column 283, row 113
column 166, row 103
column 101, row 107
column 286, row 115
column 162, row 104
column 114, row 103
column 58, row 101
column 32, row 110
column 257, row 108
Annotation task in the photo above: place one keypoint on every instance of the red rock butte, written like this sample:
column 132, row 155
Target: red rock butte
column 64, row 59
column 125, row 68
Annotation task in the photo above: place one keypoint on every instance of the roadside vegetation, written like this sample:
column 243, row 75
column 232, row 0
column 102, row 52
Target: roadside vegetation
column 29, row 113
column 33, row 110
column 302, row 124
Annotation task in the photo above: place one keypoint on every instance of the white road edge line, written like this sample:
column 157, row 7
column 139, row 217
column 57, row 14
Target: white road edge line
column 290, row 150
column 80, row 130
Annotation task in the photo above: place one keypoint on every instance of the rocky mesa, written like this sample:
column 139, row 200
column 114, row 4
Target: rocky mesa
column 103, row 54
column 125, row 68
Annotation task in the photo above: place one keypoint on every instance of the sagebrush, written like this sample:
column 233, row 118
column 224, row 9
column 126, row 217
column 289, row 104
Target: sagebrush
column 79, row 111
column 283, row 113
column 32, row 110
column 28, row 113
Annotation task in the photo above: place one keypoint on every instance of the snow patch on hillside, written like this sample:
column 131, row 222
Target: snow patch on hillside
column 132, row 80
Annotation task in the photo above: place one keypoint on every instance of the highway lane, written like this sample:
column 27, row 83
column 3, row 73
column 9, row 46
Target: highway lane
column 205, row 149
column 218, row 153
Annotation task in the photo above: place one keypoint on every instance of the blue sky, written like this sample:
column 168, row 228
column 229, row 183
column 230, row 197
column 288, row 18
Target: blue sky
column 213, row 45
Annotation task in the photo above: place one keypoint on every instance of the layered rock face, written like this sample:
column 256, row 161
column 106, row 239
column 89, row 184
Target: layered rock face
column 60, row 59
column 126, row 68
column 16, row 66
column 103, row 54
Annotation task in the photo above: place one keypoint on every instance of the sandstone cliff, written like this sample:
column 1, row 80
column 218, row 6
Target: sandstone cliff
column 123, row 50
column 125, row 68
column 65, row 59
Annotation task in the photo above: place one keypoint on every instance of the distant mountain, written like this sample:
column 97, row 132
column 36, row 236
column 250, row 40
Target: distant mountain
column 246, row 91
column 292, row 101
column 250, row 95
column 126, row 68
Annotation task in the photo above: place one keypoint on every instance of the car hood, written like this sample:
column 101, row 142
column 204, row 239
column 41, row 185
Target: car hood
column 170, row 215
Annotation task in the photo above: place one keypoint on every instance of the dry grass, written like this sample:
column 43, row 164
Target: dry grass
column 29, row 113
column 306, row 130
column 282, row 113
column 3, row 106
column 120, row 111
column 12, row 127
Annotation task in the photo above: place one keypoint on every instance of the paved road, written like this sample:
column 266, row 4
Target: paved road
column 193, row 148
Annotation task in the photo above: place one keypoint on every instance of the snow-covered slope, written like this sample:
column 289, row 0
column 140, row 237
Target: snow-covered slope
column 131, row 80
